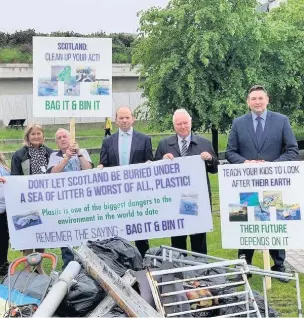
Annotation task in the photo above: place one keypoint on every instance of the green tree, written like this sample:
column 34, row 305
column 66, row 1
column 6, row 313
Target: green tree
column 201, row 55
column 282, row 61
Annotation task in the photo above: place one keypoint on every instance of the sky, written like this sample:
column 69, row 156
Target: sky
column 83, row 16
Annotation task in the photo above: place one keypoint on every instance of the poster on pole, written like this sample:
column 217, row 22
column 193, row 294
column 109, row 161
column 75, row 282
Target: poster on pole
column 262, row 205
column 144, row 201
column 72, row 77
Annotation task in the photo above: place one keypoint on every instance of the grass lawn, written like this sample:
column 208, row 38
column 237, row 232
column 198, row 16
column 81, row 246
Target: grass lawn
column 94, row 142
column 282, row 297
column 95, row 136
column 94, row 129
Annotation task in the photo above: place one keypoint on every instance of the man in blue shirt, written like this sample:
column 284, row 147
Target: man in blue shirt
column 125, row 147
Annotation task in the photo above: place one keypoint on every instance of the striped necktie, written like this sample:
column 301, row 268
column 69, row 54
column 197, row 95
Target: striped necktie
column 184, row 148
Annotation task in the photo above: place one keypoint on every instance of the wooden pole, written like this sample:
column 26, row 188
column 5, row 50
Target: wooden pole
column 120, row 291
column 266, row 259
column 107, row 304
column 72, row 131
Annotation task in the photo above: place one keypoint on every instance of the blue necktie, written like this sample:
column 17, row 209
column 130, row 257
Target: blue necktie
column 124, row 156
column 259, row 130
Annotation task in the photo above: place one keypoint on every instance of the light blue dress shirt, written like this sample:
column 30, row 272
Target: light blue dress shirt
column 263, row 121
column 124, row 146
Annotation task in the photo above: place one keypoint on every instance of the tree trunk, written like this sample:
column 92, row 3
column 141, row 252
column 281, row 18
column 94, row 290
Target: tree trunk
column 214, row 132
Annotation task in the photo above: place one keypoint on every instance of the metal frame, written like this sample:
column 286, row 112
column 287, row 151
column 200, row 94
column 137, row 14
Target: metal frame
column 167, row 254
column 242, row 269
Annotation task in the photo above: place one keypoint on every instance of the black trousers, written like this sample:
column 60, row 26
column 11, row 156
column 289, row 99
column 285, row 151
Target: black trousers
column 198, row 242
column 107, row 132
column 142, row 246
column 278, row 257
column 4, row 238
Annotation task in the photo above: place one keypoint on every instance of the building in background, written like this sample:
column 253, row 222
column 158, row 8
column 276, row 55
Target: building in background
column 16, row 94
column 267, row 5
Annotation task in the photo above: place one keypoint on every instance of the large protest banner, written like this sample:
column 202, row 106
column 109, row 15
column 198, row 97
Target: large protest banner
column 72, row 77
column 261, row 205
column 143, row 201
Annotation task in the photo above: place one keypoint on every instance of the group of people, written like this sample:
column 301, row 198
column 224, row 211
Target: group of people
column 36, row 158
column 258, row 136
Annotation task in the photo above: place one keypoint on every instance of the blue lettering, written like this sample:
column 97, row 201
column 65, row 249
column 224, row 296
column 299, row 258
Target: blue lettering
column 168, row 225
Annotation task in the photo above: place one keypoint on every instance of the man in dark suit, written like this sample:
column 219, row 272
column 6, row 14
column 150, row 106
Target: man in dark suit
column 259, row 136
column 125, row 147
column 184, row 143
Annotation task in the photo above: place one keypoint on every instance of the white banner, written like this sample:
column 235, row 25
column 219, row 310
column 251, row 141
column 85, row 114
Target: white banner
column 72, row 77
column 153, row 200
column 261, row 205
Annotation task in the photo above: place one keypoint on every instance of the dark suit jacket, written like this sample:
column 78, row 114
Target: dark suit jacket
column 141, row 150
column 197, row 145
column 278, row 141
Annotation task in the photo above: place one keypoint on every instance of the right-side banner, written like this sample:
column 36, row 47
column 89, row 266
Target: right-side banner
column 261, row 205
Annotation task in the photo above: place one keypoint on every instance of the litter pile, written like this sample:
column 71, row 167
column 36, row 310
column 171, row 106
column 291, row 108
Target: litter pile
column 114, row 281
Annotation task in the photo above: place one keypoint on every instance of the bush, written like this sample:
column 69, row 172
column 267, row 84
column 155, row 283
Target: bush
column 26, row 48
column 17, row 47
column 121, row 58
column 14, row 55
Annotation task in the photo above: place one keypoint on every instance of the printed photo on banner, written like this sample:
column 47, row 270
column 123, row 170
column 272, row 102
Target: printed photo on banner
column 47, row 87
column 26, row 220
column 261, row 212
column 72, row 87
column 238, row 213
column 189, row 204
column 249, row 199
column 272, row 198
column 100, row 87
column 289, row 212
column 85, row 74
column 61, row 73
